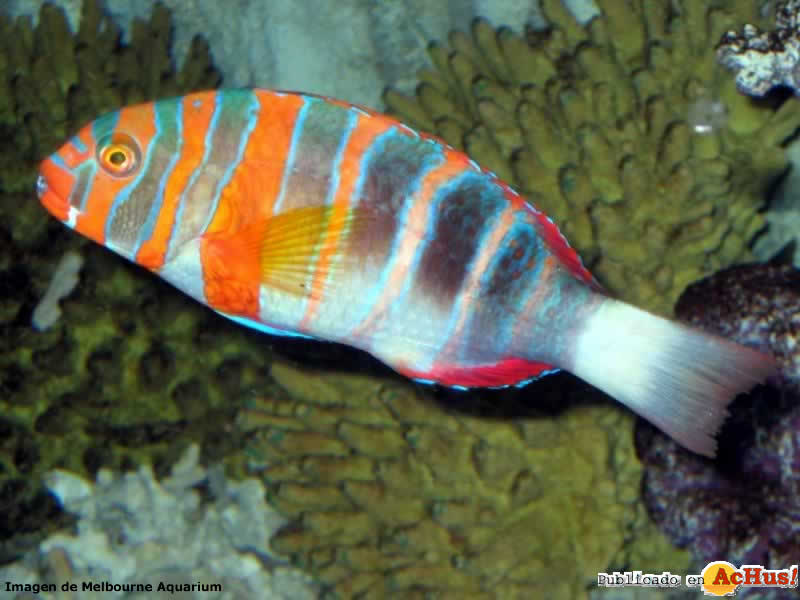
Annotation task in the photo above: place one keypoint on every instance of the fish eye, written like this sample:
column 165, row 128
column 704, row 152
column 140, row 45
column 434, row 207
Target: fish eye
column 119, row 155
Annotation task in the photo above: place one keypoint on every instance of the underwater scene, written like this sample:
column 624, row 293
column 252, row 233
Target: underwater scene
column 428, row 300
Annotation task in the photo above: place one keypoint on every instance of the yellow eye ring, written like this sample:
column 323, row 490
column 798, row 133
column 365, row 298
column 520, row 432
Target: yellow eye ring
column 119, row 155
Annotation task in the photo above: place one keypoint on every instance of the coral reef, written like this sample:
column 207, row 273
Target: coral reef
column 65, row 278
column 394, row 493
column 743, row 506
column 350, row 49
column 643, row 593
column 134, row 530
column 763, row 61
column 625, row 131
column 755, row 305
column 132, row 369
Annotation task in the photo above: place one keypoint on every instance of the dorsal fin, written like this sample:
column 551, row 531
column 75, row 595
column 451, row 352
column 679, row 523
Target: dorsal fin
column 561, row 249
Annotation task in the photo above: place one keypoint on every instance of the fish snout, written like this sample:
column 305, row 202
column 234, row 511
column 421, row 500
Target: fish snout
column 54, row 188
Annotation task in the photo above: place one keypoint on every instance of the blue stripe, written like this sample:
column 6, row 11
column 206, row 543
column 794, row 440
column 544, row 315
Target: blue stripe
column 251, row 120
column 105, row 125
column 212, row 126
column 79, row 145
column 481, row 242
column 59, row 162
column 124, row 194
column 505, row 322
column 83, row 172
column 257, row 325
column 352, row 120
column 146, row 231
column 290, row 159
column 430, row 162
column 101, row 128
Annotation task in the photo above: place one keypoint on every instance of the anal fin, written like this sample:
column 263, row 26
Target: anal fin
column 506, row 373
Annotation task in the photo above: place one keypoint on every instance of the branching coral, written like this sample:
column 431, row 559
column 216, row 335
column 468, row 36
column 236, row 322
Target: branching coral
column 624, row 131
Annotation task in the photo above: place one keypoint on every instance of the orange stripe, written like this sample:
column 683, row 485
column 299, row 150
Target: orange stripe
column 139, row 122
column 256, row 183
column 196, row 119
column 231, row 248
column 362, row 137
column 540, row 291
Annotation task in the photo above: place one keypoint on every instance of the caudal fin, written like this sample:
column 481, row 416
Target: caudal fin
column 678, row 378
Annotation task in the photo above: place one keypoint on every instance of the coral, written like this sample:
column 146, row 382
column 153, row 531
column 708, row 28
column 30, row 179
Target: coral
column 133, row 370
column 625, row 131
column 130, row 372
column 134, row 530
column 65, row 278
column 755, row 305
column 763, row 61
column 642, row 593
column 743, row 506
column 392, row 493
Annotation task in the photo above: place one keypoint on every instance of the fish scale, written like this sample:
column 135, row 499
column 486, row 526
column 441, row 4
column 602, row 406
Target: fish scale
column 302, row 215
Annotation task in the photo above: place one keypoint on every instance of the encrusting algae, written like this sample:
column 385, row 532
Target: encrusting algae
column 393, row 495
column 625, row 131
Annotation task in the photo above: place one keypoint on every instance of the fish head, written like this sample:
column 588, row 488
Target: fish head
column 98, row 183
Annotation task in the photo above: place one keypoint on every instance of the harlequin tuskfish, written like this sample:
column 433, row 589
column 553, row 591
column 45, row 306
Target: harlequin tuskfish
column 306, row 216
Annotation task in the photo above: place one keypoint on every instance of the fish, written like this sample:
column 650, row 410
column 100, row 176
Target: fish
column 302, row 215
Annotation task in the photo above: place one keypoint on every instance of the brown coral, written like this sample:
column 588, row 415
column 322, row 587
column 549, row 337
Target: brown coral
column 394, row 495
column 625, row 131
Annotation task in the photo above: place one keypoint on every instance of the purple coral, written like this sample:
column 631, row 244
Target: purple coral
column 744, row 506
column 755, row 305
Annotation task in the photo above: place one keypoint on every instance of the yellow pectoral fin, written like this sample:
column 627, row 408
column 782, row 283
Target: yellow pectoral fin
column 300, row 249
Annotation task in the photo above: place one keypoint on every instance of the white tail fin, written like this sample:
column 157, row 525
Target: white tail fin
column 678, row 378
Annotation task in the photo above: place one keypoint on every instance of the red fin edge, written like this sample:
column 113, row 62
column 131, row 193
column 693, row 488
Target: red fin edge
column 509, row 372
column 555, row 240
column 560, row 246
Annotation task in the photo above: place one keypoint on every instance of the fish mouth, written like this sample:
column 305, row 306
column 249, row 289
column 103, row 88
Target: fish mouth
column 41, row 186
column 50, row 187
